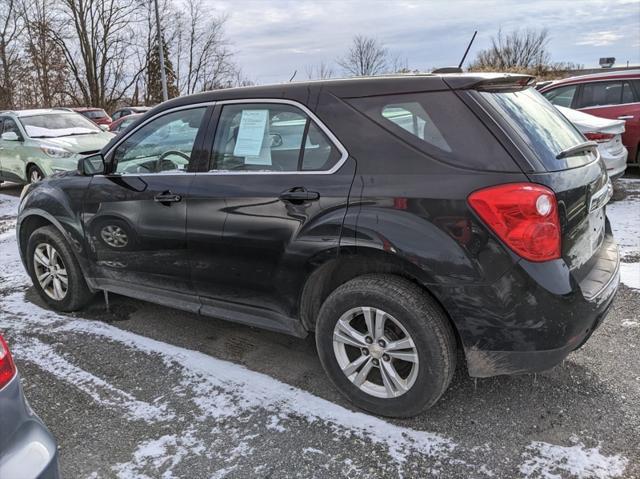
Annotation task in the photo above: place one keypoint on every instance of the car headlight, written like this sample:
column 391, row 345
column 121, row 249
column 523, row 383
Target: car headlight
column 56, row 152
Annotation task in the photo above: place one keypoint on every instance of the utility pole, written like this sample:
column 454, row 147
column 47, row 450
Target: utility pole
column 163, row 75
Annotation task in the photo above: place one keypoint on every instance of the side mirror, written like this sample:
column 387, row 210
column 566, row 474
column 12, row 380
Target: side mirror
column 104, row 127
column 10, row 136
column 91, row 165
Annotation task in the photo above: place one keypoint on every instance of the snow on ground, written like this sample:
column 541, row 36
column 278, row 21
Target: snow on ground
column 220, row 390
column 551, row 462
column 624, row 217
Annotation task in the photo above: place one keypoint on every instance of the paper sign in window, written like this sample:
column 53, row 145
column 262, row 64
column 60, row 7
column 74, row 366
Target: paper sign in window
column 251, row 133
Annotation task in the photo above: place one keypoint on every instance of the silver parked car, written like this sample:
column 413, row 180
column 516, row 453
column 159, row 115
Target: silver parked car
column 607, row 133
column 27, row 448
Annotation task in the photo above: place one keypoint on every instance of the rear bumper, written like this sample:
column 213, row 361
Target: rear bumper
column 27, row 448
column 534, row 316
column 616, row 164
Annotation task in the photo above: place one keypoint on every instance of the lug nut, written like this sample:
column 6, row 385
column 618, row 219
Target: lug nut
column 368, row 340
column 386, row 357
column 365, row 351
column 375, row 362
column 381, row 343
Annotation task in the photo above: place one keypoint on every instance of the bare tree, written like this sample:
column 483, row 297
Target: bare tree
column 46, row 61
column 11, row 27
column 321, row 71
column 366, row 57
column 523, row 49
column 203, row 59
column 96, row 37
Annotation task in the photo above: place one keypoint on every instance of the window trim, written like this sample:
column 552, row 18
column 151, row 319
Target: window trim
column 344, row 154
column 109, row 154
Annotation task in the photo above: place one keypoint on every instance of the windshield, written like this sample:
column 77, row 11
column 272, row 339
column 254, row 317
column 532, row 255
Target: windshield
column 540, row 125
column 57, row 125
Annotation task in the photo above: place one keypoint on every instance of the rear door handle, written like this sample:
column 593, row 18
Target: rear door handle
column 625, row 117
column 299, row 194
column 167, row 197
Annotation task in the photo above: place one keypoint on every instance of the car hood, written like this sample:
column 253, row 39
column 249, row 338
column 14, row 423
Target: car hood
column 592, row 124
column 80, row 143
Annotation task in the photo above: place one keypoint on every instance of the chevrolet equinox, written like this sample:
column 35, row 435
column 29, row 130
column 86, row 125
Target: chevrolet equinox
column 398, row 219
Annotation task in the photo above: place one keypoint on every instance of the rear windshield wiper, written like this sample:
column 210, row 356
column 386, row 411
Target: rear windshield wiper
column 577, row 149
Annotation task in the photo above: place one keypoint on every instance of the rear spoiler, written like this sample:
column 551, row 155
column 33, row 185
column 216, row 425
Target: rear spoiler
column 496, row 82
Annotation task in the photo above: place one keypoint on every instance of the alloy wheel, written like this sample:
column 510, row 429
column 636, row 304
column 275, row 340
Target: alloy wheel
column 375, row 352
column 35, row 175
column 50, row 271
column 114, row 236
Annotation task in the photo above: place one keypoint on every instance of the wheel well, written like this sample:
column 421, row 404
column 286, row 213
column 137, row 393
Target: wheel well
column 327, row 277
column 28, row 226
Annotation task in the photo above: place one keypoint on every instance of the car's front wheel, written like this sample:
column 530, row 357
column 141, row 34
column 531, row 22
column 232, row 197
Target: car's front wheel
column 386, row 345
column 34, row 174
column 55, row 272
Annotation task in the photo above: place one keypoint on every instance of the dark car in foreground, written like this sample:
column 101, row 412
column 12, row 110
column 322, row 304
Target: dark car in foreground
column 398, row 219
column 27, row 448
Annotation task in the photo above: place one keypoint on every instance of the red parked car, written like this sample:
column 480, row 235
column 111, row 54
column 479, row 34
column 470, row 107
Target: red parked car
column 614, row 95
column 96, row 115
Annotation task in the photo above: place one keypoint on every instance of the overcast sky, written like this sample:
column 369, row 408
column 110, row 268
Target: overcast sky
column 272, row 38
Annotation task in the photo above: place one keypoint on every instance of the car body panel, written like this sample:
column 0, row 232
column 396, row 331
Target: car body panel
column 612, row 152
column 27, row 448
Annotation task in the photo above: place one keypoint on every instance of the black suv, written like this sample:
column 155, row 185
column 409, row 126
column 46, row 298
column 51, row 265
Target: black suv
column 399, row 219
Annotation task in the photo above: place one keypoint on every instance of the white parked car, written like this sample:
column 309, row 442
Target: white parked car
column 607, row 133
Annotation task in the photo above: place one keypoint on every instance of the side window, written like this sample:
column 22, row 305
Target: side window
column 412, row 118
column 270, row 137
column 601, row 93
column 116, row 115
column 10, row 125
column 562, row 96
column 627, row 93
column 162, row 145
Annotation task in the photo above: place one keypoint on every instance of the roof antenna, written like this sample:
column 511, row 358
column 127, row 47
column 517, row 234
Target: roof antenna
column 467, row 50
column 293, row 76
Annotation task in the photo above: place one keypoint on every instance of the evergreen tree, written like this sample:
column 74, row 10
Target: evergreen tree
column 154, row 80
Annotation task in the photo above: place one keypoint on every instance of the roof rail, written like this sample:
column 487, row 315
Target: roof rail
column 448, row 70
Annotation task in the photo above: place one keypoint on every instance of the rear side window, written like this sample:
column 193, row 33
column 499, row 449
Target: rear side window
column 271, row 137
column 562, row 96
column 606, row 93
column 440, row 125
column 539, row 124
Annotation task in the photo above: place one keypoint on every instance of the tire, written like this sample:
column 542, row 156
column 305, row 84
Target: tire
column 77, row 293
column 32, row 172
column 406, row 306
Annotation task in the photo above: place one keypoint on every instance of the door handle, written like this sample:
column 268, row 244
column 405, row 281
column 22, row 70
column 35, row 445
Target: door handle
column 167, row 197
column 299, row 194
column 625, row 117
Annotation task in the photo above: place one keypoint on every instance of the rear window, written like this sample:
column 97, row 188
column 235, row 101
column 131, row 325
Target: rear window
column 94, row 114
column 540, row 125
column 440, row 125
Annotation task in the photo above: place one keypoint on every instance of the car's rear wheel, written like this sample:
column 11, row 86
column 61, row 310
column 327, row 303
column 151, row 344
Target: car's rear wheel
column 34, row 174
column 386, row 345
column 55, row 271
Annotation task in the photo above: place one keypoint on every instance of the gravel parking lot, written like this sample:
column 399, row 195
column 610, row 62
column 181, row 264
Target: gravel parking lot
column 146, row 391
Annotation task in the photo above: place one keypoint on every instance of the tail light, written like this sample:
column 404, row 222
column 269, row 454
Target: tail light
column 7, row 367
column 599, row 137
column 524, row 216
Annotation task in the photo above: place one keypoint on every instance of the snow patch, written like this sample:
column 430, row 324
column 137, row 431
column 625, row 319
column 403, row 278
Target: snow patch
column 624, row 217
column 103, row 393
column 549, row 461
